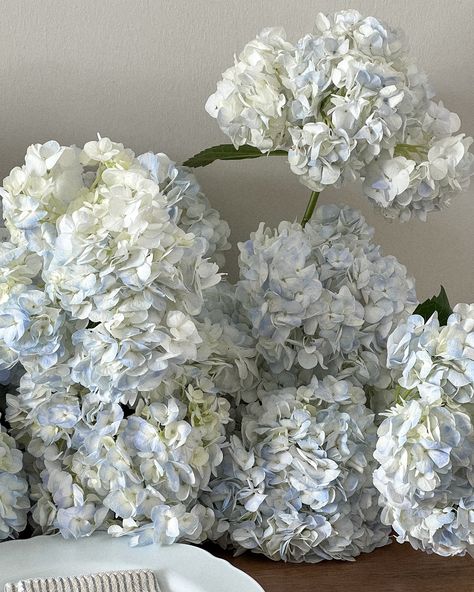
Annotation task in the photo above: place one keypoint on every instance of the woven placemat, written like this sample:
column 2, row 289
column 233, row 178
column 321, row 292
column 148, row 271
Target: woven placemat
column 117, row 581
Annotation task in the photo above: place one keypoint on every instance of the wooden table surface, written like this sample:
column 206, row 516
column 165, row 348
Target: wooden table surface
column 395, row 568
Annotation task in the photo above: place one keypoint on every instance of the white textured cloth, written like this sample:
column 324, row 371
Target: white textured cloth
column 117, row 581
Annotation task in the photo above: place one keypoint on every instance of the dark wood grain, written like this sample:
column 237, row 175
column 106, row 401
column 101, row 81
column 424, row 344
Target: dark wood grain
column 396, row 568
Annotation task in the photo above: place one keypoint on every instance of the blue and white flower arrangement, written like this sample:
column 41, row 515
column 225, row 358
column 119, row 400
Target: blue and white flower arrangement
column 302, row 413
column 345, row 103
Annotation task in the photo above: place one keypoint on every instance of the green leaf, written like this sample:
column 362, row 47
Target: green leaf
column 227, row 152
column 439, row 304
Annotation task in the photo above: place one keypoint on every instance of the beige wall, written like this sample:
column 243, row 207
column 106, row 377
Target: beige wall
column 140, row 72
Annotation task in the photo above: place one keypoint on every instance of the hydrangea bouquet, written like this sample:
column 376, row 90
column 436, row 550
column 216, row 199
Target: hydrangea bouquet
column 302, row 413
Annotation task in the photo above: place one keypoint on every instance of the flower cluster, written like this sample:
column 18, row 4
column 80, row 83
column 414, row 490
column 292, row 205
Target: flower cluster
column 323, row 297
column 135, row 471
column 14, row 502
column 103, row 280
column 425, row 445
column 347, row 102
column 151, row 399
column 296, row 482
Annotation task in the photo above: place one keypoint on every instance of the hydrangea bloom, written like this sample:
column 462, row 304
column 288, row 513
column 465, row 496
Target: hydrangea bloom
column 347, row 102
column 14, row 502
column 118, row 266
column 36, row 194
column 103, row 282
column 296, row 481
column 437, row 361
column 18, row 267
column 323, row 297
column 426, row 444
column 135, row 469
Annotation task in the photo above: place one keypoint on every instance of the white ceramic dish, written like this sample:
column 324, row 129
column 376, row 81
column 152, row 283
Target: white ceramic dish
column 179, row 568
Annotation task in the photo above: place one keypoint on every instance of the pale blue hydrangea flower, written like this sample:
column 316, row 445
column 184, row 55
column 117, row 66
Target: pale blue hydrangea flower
column 425, row 177
column 32, row 328
column 426, row 477
column 437, row 361
column 96, row 467
column 323, row 296
column 135, row 465
column 296, row 481
column 425, row 445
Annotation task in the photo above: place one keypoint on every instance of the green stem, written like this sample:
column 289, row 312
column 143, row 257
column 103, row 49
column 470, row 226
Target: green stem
column 313, row 200
column 98, row 176
column 413, row 147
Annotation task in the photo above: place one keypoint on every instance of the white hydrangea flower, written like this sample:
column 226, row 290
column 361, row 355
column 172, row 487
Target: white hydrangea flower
column 120, row 404
column 38, row 193
column 101, row 465
column 347, row 102
column 91, row 251
column 249, row 104
column 296, row 485
column 104, row 151
column 14, row 503
column 423, row 181
column 425, row 445
column 125, row 253
column 323, row 296
column 426, row 476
